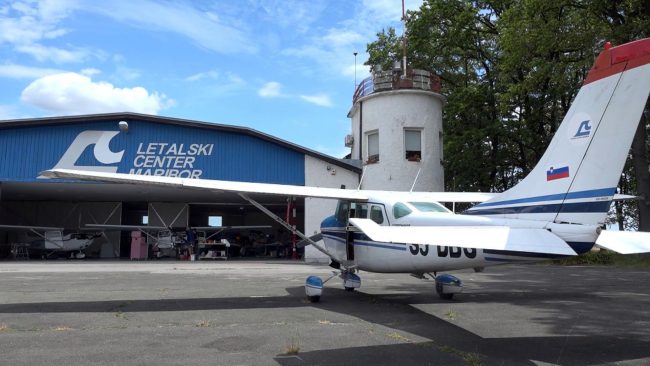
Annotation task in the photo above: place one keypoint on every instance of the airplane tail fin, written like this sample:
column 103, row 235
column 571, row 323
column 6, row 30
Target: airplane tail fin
column 576, row 178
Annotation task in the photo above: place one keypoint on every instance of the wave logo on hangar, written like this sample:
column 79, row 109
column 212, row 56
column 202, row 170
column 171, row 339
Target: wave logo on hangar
column 153, row 158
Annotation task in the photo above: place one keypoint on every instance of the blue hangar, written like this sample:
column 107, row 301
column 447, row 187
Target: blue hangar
column 152, row 145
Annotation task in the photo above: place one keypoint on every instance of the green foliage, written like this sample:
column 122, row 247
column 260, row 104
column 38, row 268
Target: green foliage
column 602, row 257
column 606, row 257
column 510, row 70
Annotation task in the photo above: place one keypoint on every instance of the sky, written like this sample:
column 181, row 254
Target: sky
column 282, row 67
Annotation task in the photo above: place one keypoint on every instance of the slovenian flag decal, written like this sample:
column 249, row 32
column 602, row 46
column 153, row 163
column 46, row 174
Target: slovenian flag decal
column 557, row 173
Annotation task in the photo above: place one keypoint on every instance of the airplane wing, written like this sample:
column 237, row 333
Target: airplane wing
column 29, row 228
column 109, row 227
column 219, row 228
column 624, row 242
column 481, row 237
column 213, row 185
column 256, row 188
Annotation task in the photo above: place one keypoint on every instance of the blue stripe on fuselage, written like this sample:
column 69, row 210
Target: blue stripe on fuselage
column 598, row 206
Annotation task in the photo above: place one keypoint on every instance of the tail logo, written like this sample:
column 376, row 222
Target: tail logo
column 583, row 130
column 557, row 173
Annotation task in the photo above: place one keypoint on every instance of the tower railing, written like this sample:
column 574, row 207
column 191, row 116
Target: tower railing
column 395, row 80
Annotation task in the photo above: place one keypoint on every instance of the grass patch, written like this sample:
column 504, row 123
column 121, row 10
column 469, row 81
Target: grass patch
column 606, row 258
column 398, row 337
column 120, row 315
column 471, row 358
column 450, row 314
column 5, row 328
column 293, row 345
column 203, row 324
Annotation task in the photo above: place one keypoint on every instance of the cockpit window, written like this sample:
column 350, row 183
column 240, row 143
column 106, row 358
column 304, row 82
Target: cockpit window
column 376, row 214
column 342, row 212
column 429, row 207
column 400, row 210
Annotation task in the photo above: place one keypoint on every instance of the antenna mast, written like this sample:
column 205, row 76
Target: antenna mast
column 403, row 41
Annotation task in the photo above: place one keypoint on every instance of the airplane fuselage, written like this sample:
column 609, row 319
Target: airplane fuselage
column 349, row 245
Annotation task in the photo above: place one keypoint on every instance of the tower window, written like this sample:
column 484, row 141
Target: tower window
column 373, row 147
column 413, row 144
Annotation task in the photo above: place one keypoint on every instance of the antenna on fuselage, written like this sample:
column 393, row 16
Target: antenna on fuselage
column 363, row 173
column 415, row 180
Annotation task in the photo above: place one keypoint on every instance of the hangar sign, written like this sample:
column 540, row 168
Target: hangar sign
column 169, row 160
column 151, row 158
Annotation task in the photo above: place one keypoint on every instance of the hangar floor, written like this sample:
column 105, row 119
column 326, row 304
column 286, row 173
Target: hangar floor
column 227, row 313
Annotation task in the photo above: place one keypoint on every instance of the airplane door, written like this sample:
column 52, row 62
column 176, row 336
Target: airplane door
column 357, row 210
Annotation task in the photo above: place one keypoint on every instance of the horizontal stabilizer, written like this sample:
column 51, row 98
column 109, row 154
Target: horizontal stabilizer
column 625, row 197
column 480, row 237
column 625, row 242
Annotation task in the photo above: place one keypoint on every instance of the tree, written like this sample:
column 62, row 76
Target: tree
column 510, row 70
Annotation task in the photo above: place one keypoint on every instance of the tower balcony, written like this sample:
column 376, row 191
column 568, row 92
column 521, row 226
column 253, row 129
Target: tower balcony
column 396, row 80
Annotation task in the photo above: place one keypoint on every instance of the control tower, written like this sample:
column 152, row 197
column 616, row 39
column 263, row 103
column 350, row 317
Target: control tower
column 397, row 130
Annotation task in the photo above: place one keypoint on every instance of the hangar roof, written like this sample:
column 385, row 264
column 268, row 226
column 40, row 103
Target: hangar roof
column 127, row 116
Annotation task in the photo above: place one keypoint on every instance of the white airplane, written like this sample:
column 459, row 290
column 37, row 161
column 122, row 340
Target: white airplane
column 51, row 241
column 558, row 210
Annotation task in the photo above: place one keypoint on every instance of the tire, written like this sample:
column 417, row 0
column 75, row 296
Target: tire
column 349, row 289
column 441, row 294
column 313, row 299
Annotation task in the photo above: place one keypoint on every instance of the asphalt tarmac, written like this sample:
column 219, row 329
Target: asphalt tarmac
column 255, row 313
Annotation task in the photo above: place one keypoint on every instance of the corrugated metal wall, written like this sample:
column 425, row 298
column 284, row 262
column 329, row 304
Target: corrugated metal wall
column 148, row 148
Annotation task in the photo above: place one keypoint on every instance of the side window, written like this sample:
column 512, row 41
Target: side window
column 376, row 214
column 413, row 144
column 400, row 210
column 361, row 210
column 373, row 148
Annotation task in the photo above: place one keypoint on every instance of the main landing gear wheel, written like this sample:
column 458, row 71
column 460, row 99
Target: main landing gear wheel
column 349, row 289
column 448, row 285
column 441, row 293
column 313, row 288
column 313, row 299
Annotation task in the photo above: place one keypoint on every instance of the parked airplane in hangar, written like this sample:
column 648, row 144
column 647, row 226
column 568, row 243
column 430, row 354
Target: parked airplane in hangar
column 557, row 210
column 50, row 242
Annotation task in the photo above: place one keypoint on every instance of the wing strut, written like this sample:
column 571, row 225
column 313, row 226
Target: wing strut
column 280, row 221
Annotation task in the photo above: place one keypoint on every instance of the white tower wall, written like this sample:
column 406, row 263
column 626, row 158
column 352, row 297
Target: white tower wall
column 390, row 113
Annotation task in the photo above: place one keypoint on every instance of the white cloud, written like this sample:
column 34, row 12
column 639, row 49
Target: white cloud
column 57, row 55
column 214, row 75
column 90, row 71
column 332, row 49
column 73, row 93
column 14, row 71
column 271, row 89
column 26, row 24
column 296, row 15
column 322, row 100
column 206, row 29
